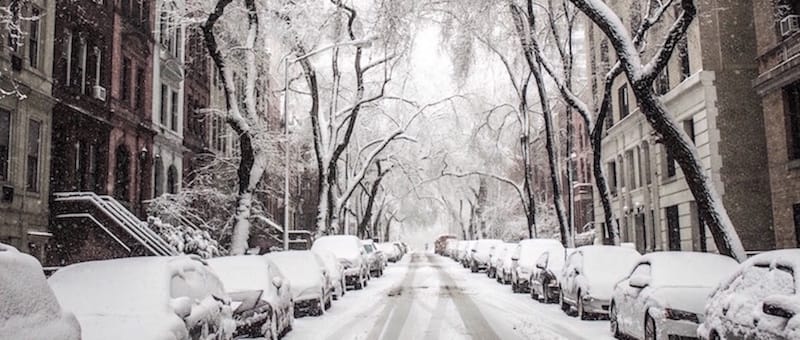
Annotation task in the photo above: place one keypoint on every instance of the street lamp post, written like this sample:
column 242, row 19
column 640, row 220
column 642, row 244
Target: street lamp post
column 286, row 62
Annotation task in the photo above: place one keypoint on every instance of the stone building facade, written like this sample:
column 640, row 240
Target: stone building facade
column 168, row 75
column 706, row 88
column 25, row 126
column 778, row 85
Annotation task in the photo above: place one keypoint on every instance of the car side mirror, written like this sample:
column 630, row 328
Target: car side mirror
column 775, row 307
column 639, row 281
column 540, row 265
column 181, row 306
column 514, row 258
column 277, row 282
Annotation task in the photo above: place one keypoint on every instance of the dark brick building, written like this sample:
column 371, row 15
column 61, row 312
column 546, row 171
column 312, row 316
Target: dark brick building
column 777, row 26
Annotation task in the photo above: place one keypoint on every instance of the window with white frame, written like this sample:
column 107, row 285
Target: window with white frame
column 34, row 145
column 5, row 143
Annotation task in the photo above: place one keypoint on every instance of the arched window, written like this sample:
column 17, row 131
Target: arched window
column 122, row 173
column 172, row 180
column 158, row 177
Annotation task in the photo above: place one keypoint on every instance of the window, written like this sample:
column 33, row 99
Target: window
column 792, row 98
column 612, row 177
column 5, row 143
column 33, row 38
column 122, row 174
column 671, row 169
column 796, row 209
column 174, row 111
column 642, row 270
column 688, row 127
column 13, row 26
column 80, row 65
column 683, row 55
column 139, row 91
column 172, row 180
column 673, row 227
column 126, row 81
column 68, row 56
column 158, row 177
column 164, row 104
column 622, row 96
column 34, row 144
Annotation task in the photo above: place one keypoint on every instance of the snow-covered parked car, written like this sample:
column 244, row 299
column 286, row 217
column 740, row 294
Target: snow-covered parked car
column 481, row 254
column 466, row 256
column 391, row 251
column 760, row 300
column 450, row 247
column 28, row 308
column 145, row 298
column 335, row 272
column 547, row 276
column 524, row 261
column 507, row 265
column 350, row 254
column 590, row 275
column 374, row 258
column 311, row 289
column 665, row 294
column 496, row 258
column 260, row 294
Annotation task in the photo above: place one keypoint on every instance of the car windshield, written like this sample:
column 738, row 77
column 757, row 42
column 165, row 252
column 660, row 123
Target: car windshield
column 608, row 263
column 342, row 246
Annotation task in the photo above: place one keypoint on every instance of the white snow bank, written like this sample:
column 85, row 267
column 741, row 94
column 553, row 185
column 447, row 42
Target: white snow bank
column 28, row 308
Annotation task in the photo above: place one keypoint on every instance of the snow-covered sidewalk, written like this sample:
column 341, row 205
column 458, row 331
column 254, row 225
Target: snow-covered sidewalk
column 431, row 297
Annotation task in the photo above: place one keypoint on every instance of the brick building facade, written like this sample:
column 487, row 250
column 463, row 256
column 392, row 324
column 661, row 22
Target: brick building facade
column 778, row 85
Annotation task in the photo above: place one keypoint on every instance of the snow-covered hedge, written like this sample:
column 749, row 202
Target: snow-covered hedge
column 185, row 239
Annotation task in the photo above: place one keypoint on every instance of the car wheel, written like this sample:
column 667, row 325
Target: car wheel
column 359, row 284
column 581, row 311
column 649, row 327
column 613, row 321
column 546, row 293
column 514, row 288
column 328, row 301
column 534, row 295
column 320, row 307
column 564, row 305
column 715, row 336
column 290, row 317
column 474, row 267
column 272, row 332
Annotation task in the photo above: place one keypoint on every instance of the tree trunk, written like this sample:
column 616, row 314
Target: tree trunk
column 373, row 193
column 611, row 229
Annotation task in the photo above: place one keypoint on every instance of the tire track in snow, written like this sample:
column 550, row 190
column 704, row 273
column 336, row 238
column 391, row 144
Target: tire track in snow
column 395, row 312
column 471, row 316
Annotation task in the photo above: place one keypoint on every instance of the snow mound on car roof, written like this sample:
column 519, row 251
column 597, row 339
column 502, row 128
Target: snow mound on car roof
column 28, row 308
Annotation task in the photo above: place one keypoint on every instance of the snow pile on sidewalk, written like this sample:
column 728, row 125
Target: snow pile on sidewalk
column 28, row 308
column 185, row 239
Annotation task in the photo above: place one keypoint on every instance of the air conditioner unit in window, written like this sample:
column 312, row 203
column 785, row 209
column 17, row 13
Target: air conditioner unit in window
column 790, row 24
column 99, row 92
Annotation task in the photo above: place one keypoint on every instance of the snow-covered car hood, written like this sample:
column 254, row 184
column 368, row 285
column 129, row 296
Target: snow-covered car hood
column 599, row 289
column 690, row 299
column 306, row 289
column 132, row 327
column 480, row 257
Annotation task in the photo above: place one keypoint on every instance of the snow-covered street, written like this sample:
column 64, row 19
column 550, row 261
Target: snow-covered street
column 426, row 296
